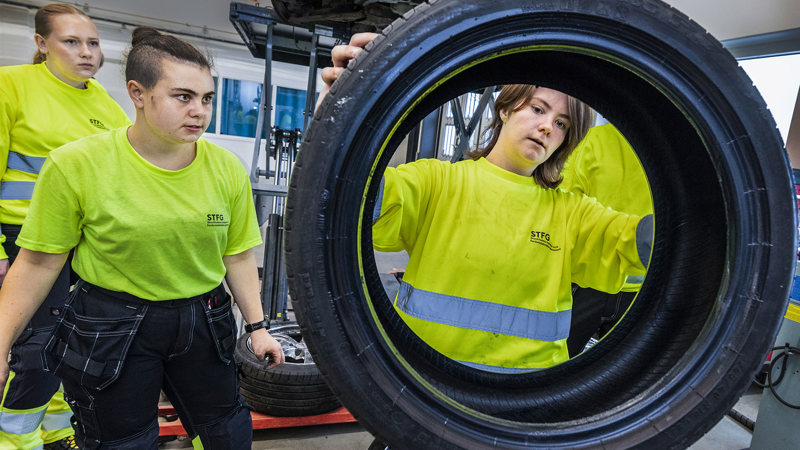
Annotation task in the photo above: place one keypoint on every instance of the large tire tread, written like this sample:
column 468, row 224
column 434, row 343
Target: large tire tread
column 722, row 261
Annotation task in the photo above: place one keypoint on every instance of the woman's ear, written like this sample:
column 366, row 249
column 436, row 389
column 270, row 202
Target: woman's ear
column 136, row 93
column 41, row 45
column 503, row 115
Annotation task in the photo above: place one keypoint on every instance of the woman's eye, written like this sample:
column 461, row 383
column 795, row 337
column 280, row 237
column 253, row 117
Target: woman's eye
column 208, row 99
column 183, row 97
column 70, row 41
column 537, row 109
column 561, row 124
column 94, row 44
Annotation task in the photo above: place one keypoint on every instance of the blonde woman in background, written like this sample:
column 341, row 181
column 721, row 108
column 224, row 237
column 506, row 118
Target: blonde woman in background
column 43, row 106
column 158, row 218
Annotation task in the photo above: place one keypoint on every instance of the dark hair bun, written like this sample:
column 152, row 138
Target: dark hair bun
column 143, row 34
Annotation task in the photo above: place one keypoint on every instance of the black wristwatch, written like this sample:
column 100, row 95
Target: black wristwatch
column 250, row 327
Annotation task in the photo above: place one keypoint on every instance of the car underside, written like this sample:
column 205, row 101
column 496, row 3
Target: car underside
column 361, row 15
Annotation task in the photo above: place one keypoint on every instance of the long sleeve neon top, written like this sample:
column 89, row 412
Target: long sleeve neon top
column 492, row 256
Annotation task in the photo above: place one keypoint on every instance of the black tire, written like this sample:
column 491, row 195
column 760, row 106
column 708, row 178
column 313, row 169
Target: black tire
column 286, row 391
column 722, row 261
column 296, row 407
column 294, row 388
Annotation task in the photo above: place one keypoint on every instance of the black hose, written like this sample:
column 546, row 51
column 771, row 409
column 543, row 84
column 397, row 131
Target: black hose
column 770, row 383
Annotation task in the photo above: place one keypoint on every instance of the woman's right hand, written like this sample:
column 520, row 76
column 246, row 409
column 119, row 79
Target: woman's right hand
column 341, row 56
column 265, row 345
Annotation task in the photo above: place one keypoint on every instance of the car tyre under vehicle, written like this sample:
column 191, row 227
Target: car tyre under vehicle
column 724, row 239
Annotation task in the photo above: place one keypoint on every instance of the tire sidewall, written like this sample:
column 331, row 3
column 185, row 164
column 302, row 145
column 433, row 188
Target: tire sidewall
column 754, row 279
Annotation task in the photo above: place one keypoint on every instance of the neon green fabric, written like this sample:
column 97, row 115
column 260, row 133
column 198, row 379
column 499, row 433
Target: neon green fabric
column 38, row 113
column 197, row 444
column 20, row 429
column 31, row 428
column 604, row 166
column 56, row 424
column 475, row 231
column 154, row 233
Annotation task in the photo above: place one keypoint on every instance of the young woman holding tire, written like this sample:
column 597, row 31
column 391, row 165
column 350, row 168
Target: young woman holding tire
column 158, row 217
column 719, row 274
column 44, row 105
column 493, row 245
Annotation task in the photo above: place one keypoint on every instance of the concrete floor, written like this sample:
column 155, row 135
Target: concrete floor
column 350, row 436
column 728, row 434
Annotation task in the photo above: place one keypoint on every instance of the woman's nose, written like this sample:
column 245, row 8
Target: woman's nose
column 85, row 50
column 544, row 127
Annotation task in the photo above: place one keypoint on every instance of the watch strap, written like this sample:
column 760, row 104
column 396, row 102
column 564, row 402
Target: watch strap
column 250, row 327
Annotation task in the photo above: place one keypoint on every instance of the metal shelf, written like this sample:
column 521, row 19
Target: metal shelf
column 291, row 44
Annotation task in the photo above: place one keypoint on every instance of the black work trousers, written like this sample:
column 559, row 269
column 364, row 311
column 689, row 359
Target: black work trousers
column 594, row 313
column 116, row 352
column 31, row 386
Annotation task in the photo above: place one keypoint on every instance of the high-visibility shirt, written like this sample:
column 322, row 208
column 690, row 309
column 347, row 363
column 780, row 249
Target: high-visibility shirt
column 492, row 256
column 38, row 113
column 604, row 166
column 157, row 234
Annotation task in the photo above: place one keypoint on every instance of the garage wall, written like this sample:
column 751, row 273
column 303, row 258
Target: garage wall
column 725, row 19
column 230, row 61
column 728, row 19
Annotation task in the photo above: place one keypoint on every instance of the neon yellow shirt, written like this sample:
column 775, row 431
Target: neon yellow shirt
column 38, row 113
column 154, row 233
column 604, row 166
column 478, row 234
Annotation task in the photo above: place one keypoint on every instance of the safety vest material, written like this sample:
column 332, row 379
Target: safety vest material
column 605, row 166
column 492, row 257
column 38, row 113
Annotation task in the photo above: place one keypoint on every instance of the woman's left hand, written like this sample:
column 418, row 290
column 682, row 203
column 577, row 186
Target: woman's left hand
column 341, row 56
column 264, row 344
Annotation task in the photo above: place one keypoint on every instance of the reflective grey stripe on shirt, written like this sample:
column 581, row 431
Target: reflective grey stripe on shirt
column 644, row 238
column 23, row 163
column 496, row 369
column 485, row 316
column 376, row 211
column 21, row 190
column 16, row 190
column 634, row 279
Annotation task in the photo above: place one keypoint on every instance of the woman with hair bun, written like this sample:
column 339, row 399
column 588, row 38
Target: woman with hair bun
column 159, row 217
column 43, row 106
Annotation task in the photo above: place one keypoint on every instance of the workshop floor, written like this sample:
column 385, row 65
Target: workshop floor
column 728, row 434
